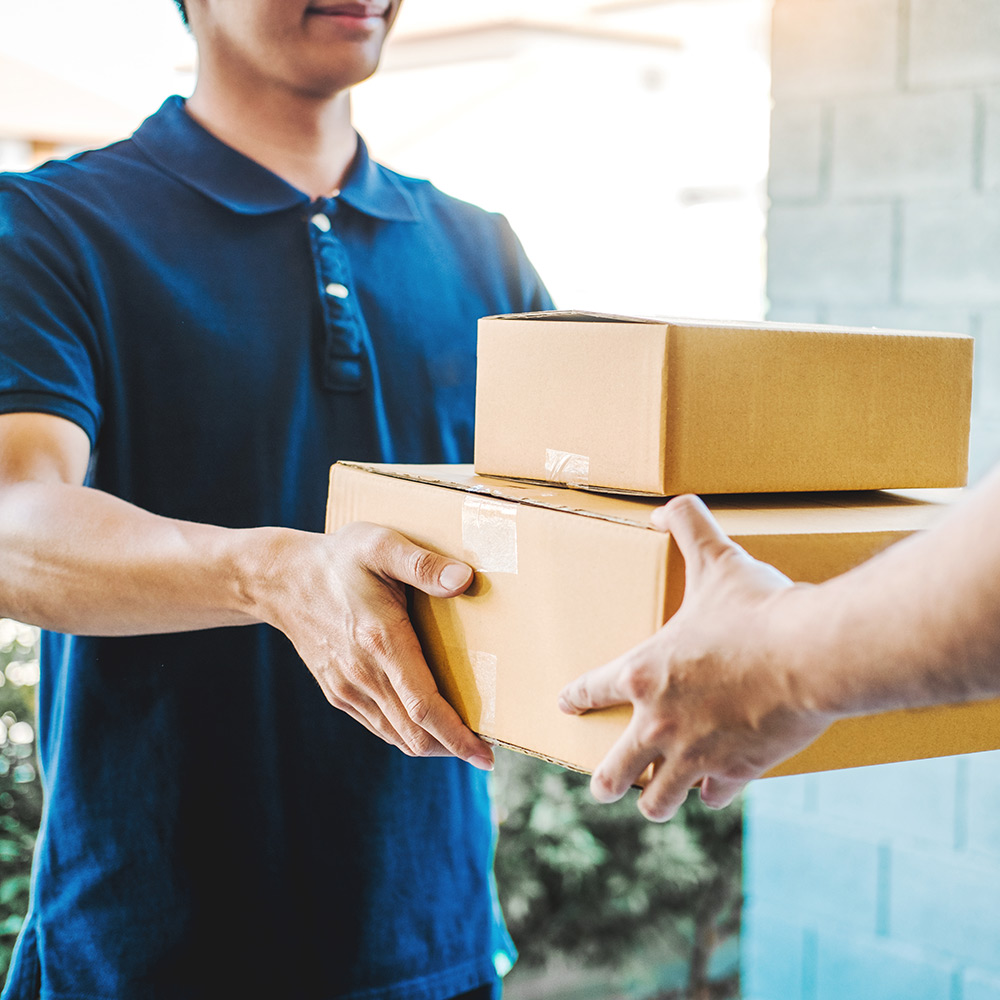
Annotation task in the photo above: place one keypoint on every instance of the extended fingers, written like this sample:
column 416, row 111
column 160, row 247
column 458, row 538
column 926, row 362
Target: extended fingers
column 412, row 703
column 623, row 765
column 597, row 688
column 672, row 779
column 717, row 793
column 426, row 711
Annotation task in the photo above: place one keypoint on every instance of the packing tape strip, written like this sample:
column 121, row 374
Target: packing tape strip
column 489, row 534
column 484, row 670
column 566, row 467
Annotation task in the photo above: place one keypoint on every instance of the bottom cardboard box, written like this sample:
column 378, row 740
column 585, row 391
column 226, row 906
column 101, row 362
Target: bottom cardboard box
column 567, row 580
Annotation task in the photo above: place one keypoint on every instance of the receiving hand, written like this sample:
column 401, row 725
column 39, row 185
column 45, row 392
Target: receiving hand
column 713, row 693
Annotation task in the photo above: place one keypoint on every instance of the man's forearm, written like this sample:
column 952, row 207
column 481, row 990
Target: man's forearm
column 918, row 625
column 79, row 560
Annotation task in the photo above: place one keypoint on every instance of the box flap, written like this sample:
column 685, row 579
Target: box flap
column 692, row 323
column 740, row 515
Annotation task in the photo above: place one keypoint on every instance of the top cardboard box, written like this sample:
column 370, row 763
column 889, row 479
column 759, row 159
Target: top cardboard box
column 667, row 406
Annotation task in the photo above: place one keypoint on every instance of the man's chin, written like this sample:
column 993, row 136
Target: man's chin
column 322, row 85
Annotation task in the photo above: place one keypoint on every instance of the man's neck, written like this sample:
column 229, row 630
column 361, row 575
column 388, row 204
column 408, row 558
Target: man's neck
column 307, row 141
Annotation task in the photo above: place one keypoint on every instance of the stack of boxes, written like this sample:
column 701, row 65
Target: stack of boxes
column 584, row 423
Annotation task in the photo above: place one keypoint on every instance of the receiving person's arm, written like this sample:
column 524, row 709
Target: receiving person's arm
column 753, row 668
column 82, row 561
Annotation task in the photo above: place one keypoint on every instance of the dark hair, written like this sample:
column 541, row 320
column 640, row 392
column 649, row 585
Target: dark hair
column 182, row 9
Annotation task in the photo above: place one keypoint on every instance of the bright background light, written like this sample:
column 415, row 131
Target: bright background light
column 626, row 141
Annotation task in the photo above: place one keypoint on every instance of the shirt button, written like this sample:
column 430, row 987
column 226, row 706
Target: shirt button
column 337, row 290
column 335, row 193
column 321, row 222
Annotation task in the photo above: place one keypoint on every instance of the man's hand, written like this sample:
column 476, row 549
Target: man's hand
column 709, row 702
column 341, row 599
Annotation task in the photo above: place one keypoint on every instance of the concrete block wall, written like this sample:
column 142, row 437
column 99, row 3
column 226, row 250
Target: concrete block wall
column 881, row 883
column 884, row 883
column 885, row 173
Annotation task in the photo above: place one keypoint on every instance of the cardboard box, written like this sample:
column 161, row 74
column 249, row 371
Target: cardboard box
column 674, row 406
column 567, row 580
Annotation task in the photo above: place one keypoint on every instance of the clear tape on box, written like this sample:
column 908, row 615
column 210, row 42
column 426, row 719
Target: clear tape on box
column 489, row 534
column 567, row 467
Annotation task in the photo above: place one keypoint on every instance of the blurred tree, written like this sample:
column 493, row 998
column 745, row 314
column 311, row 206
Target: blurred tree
column 599, row 883
column 593, row 883
column 20, row 787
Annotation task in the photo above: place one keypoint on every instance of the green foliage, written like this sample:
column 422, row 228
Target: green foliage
column 595, row 884
column 20, row 787
column 600, row 884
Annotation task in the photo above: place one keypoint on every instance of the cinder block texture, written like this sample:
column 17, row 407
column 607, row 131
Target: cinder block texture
column 905, row 144
column 855, row 967
column 984, row 796
column 796, row 151
column 980, row 986
column 953, row 42
column 941, row 319
column 914, row 799
column 947, row 905
column 824, row 49
column 984, row 449
column 991, row 140
column 772, row 961
column 794, row 312
column 834, row 253
column 788, row 795
column 986, row 372
column 951, row 251
column 814, row 873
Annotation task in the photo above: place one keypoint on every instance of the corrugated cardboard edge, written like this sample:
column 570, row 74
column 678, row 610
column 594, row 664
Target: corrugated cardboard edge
column 977, row 716
column 644, row 778
column 689, row 323
column 486, row 491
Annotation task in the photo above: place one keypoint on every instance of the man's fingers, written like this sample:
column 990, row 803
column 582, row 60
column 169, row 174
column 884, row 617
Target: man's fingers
column 429, row 713
column 418, row 706
column 717, row 793
column 366, row 711
column 400, row 559
column 598, row 688
column 667, row 790
column 695, row 531
column 622, row 766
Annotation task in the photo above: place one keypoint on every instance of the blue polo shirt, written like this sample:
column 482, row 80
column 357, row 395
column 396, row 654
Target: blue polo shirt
column 213, row 827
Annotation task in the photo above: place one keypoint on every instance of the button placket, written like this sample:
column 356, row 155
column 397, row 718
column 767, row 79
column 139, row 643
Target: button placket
column 345, row 365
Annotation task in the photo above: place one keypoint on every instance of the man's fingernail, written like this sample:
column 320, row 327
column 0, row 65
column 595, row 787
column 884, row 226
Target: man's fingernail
column 454, row 575
column 564, row 705
column 483, row 763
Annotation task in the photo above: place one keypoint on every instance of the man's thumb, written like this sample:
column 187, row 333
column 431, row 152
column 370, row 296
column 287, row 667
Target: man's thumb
column 434, row 574
column 695, row 531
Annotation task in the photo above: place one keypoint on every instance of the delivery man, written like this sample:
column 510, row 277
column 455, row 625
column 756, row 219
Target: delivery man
column 253, row 787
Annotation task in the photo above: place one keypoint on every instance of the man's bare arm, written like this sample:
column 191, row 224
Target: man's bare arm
column 79, row 560
column 751, row 668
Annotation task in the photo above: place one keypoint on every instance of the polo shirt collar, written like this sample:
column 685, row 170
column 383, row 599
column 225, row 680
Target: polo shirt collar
column 178, row 144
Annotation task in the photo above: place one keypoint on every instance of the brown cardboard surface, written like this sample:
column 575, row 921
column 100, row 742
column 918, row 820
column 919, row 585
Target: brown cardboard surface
column 667, row 406
column 567, row 580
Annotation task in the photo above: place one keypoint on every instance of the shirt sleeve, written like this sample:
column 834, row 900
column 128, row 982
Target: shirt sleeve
column 49, row 347
column 526, row 285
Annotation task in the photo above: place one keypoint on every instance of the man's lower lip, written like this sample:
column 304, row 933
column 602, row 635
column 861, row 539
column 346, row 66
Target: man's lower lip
column 347, row 16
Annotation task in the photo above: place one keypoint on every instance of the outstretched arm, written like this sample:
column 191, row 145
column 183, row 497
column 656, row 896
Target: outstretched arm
column 79, row 560
column 752, row 668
